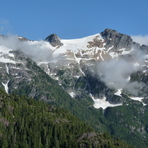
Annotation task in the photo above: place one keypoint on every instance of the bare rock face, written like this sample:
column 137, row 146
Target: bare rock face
column 118, row 40
column 144, row 49
column 54, row 40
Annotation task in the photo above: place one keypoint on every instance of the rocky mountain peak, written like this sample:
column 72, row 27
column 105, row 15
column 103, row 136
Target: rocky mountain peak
column 54, row 40
column 118, row 40
column 23, row 38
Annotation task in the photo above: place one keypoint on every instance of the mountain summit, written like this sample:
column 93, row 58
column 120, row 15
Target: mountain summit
column 118, row 40
column 54, row 40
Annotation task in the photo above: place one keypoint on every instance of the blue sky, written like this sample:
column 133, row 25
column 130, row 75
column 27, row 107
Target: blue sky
column 36, row 19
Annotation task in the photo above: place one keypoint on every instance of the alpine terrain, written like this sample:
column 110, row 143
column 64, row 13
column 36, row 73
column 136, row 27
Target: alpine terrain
column 102, row 79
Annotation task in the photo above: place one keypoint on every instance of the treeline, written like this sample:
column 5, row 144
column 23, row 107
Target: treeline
column 27, row 123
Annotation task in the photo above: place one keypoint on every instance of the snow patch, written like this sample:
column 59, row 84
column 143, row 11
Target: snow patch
column 77, row 77
column 101, row 56
column 109, row 48
column 124, row 52
column 113, row 54
column 11, row 55
column 118, row 93
column 81, row 71
column 128, row 79
column 6, row 86
column 138, row 99
column 77, row 59
column 43, row 62
column 15, row 67
column 72, row 94
column 102, row 103
column 7, row 69
column 56, row 78
column 3, row 60
column 144, row 71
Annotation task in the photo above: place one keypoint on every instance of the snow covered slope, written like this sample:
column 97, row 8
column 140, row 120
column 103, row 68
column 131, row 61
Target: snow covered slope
column 99, row 56
column 95, row 65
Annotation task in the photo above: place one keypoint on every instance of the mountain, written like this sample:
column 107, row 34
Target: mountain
column 22, row 76
column 101, row 66
column 102, row 79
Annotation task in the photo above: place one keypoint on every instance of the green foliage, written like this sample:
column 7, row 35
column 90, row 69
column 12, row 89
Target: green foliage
column 60, row 72
column 128, row 123
column 27, row 123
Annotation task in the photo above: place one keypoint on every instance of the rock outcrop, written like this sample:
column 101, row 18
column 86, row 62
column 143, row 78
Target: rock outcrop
column 54, row 40
column 118, row 40
column 144, row 49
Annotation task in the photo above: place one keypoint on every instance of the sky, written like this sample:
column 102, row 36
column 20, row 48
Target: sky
column 70, row 19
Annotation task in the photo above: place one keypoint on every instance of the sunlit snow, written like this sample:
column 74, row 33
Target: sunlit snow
column 118, row 93
column 128, row 79
column 72, row 94
column 75, row 45
column 5, row 86
column 7, row 69
column 113, row 54
column 102, row 103
column 3, row 60
column 101, row 55
column 124, row 51
column 138, row 99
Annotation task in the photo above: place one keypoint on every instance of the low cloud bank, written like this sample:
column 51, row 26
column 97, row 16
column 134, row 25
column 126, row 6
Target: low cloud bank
column 140, row 39
column 35, row 50
column 116, row 73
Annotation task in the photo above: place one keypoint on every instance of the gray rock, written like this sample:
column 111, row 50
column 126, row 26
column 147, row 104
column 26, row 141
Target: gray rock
column 136, row 45
column 144, row 49
column 118, row 40
column 54, row 40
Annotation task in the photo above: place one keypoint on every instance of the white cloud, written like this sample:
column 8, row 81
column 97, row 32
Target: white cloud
column 4, row 25
column 115, row 73
column 39, row 51
column 140, row 39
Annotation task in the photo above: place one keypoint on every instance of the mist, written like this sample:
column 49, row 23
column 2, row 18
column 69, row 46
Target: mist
column 142, row 40
column 38, row 50
column 116, row 73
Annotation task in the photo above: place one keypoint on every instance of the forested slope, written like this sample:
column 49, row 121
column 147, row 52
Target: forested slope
column 27, row 123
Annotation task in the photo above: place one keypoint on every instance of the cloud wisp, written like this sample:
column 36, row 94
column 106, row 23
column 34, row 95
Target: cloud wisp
column 142, row 40
column 115, row 73
column 4, row 25
column 38, row 51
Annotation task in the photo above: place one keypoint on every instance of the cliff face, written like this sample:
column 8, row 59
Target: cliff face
column 118, row 40
column 54, row 40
